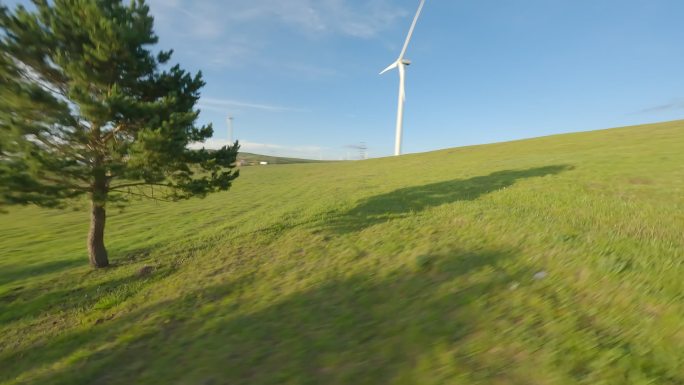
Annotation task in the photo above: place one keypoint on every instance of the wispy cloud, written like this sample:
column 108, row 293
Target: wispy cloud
column 358, row 19
column 215, row 104
column 675, row 105
column 173, row 12
column 363, row 19
column 231, row 33
column 310, row 71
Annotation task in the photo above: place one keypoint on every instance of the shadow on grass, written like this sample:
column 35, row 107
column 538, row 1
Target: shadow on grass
column 398, row 203
column 19, row 273
column 64, row 293
column 361, row 329
column 38, row 301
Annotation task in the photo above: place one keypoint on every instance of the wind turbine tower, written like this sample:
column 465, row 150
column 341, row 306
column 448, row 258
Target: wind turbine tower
column 230, row 129
column 363, row 151
column 401, row 63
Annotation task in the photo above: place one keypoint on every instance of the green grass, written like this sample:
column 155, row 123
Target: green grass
column 416, row 270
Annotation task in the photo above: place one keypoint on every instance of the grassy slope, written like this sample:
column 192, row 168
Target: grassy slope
column 416, row 270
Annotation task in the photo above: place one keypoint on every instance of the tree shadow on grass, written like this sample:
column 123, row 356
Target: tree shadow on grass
column 33, row 300
column 96, row 343
column 16, row 273
column 37, row 302
column 398, row 203
column 365, row 329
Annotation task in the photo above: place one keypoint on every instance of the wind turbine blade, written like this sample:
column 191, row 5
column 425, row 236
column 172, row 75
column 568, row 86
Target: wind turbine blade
column 390, row 67
column 413, row 26
column 402, row 82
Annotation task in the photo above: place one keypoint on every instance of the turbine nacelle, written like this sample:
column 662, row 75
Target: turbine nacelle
column 394, row 65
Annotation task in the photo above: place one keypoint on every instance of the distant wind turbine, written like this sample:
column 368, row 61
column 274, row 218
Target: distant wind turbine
column 362, row 148
column 230, row 130
column 401, row 64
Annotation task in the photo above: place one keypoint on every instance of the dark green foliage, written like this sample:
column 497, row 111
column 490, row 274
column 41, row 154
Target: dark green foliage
column 83, row 98
column 88, row 109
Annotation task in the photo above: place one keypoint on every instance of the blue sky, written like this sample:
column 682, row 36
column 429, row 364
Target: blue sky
column 301, row 77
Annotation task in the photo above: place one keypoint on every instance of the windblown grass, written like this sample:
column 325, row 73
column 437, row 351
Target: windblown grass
column 416, row 270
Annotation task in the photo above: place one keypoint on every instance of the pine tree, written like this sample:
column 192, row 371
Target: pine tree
column 87, row 109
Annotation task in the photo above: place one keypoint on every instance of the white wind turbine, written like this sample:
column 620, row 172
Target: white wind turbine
column 401, row 64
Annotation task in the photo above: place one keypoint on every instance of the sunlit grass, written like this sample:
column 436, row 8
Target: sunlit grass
column 417, row 270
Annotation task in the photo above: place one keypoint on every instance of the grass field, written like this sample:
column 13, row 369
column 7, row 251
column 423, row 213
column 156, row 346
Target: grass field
column 557, row 260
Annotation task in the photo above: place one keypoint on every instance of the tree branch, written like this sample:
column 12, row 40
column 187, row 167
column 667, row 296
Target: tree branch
column 140, row 194
column 113, row 132
column 136, row 184
column 65, row 183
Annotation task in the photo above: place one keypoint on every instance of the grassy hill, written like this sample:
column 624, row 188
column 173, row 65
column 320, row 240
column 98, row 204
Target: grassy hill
column 252, row 159
column 557, row 260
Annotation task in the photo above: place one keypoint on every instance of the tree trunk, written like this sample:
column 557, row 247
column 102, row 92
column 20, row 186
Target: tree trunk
column 96, row 248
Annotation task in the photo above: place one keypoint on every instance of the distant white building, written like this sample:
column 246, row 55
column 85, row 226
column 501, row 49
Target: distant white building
column 263, row 163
